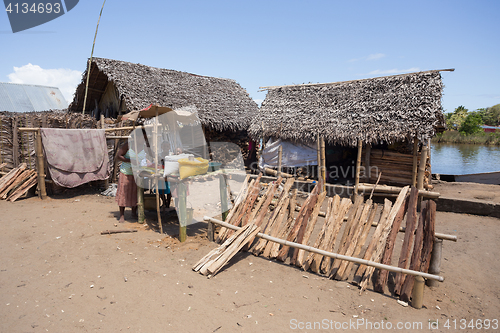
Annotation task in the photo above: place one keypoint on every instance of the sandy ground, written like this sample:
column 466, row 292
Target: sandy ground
column 59, row 274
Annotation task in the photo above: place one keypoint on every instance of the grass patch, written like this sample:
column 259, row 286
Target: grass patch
column 482, row 138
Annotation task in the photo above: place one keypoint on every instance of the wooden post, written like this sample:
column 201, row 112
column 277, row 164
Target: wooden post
column 415, row 163
column 435, row 265
column 430, row 165
column 140, row 200
column 40, row 166
column 15, row 143
column 210, row 231
column 318, row 149
column 323, row 163
column 280, row 154
column 181, row 191
column 421, row 168
column 358, row 166
column 417, row 295
column 223, row 196
column 106, row 181
column 140, row 183
column 155, row 161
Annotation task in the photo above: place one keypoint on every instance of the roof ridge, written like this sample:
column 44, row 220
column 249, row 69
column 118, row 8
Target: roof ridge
column 359, row 80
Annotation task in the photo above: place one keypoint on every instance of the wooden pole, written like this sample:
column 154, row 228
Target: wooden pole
column 435, row 265
column 331, row 254
column 106, row 181
column 421, row 168
column 358, row 166
column 90, row 59
column 415, row 163
column 140, row 200
column 275, row 173
column 155, row 160
column 223, row 196
column 323, row 163
column 15, row 143
column 140, row 185
column 182, row 211
column 40, row 166
column 429, row 156
column 318, row 149
column 417, row 295
column 280, row 153
column 210, row 231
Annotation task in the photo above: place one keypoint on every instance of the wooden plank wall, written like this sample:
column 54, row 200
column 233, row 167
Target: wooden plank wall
column 396, row 168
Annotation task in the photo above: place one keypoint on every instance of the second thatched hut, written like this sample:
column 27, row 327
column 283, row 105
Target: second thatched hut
column 386, row 114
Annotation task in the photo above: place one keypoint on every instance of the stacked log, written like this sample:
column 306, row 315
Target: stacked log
column 17, row 182
column 211, row 263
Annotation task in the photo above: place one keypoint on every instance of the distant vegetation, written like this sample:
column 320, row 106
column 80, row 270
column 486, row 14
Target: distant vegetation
column 479, row 138
column 465, row 127
column 468, row 122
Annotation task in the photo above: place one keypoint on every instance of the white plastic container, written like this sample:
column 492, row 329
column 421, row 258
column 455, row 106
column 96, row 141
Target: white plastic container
column 172, row 164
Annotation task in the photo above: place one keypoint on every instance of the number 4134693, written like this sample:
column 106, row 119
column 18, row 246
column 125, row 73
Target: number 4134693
column 477, row 324
column 40, row 8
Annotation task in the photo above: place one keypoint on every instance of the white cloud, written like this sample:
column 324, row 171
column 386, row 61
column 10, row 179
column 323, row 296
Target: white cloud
column 65, row 79
column 375, row 56
column 394, row 71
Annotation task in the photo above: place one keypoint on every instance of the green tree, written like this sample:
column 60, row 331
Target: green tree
column 454, row 120
column 471, row 124
column 491, row 115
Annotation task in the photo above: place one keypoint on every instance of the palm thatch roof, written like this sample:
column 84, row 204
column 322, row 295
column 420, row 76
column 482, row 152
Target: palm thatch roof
column 222, row 104
column 390, row 109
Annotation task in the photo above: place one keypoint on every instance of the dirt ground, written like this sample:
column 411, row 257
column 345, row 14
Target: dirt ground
column 59, row 274
column 467, row 191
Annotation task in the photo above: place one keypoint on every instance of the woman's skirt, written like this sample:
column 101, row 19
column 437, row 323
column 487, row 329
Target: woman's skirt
column 126, row 193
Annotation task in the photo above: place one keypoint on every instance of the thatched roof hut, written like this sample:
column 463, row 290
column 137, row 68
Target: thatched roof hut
column 390, row 109
column 117, row 87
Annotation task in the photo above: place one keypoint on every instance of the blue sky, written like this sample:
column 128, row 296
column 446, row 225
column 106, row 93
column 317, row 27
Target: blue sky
column 267, row 43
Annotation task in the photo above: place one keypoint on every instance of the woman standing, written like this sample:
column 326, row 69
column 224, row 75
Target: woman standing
column 126, row 194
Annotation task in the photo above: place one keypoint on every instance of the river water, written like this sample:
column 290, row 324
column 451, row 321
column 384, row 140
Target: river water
column 461, row 159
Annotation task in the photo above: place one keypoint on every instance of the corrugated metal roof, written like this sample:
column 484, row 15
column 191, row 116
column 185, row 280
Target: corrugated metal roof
column 26, row 98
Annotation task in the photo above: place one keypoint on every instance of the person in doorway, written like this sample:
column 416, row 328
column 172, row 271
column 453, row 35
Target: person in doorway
column 126, row 193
